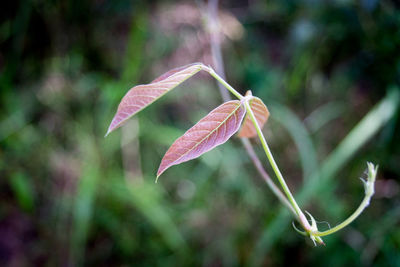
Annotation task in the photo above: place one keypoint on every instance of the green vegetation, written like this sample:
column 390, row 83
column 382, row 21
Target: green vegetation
column 328, row 71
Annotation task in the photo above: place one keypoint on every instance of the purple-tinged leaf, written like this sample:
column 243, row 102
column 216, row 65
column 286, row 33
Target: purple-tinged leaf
column 260, row 112
column 143, row 95
column 212, row 130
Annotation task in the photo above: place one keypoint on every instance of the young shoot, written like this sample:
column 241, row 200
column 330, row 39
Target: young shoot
column 247, row 115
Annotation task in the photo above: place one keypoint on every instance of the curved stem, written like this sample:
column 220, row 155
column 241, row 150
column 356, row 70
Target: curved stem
column 369, row 191
column 346, row 222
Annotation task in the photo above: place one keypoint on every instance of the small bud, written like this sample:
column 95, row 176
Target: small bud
column 248, row 93
column 372, row 171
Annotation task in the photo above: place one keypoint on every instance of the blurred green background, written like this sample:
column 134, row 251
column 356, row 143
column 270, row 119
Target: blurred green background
column 329, row 71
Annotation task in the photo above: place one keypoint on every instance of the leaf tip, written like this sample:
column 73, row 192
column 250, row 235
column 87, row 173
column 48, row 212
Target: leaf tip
column 159, row 172
column 108, row 132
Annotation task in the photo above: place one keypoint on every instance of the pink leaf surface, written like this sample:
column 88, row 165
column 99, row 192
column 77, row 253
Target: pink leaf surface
column 143, row 95
column 213, row 130
column 260, row 112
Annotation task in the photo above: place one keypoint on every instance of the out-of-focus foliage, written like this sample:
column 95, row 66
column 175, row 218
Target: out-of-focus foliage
column 68, row 196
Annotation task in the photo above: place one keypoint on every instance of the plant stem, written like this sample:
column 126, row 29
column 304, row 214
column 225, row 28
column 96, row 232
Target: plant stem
column 275, row 166
column 291, row 203
column 261, row 170
column 346, row 222
column 223, row 82
column 219, row 65
column 369, row 191
column 252, row 154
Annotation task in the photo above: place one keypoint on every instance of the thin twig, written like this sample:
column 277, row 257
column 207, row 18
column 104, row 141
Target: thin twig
column 215, row 41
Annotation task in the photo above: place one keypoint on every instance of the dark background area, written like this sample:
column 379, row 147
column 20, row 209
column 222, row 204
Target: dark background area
column 69, row 196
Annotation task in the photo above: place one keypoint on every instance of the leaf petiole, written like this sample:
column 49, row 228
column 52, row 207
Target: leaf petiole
column 223, row 82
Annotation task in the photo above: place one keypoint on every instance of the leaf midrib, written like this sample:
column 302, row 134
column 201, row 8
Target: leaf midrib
column 197, row 143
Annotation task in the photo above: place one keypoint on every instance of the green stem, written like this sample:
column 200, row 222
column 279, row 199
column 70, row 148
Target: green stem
column 267, row 179
column 294, row 207
column 369, row 191
column 249, row 148
column 223, row 82
column 346, row 222
column 275, row 167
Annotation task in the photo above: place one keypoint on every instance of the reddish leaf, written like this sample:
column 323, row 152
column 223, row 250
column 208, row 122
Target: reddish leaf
column 260, row 112
column 143, row 95
column 213, row 130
